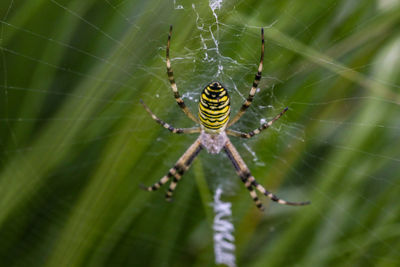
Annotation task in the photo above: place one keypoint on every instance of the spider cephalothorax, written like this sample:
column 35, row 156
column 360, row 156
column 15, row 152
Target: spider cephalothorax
column 213, row 117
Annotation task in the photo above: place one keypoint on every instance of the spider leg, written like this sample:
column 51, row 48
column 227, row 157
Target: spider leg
column 180, row 167
column 171, row 79
column 238, row 164
column 168, row 126
column 274, row 197
column 161, row 182
column 253, row 194
column 263, row 126
column 250, row 182
column 253, row 90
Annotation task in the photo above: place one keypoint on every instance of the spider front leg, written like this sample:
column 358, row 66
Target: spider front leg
column 168, row 126
column 180, row 167
column 264, row 126
column 250, row 182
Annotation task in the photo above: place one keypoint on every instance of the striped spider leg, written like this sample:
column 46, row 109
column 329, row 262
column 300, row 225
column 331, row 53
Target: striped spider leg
column 171, row 79
column 168, row 126
column 253, row 89
column 180, row 167
column 263, row 127
column 249, row 181
column 184, row 162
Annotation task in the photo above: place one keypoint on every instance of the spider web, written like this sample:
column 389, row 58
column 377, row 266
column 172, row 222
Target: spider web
column 76, row 144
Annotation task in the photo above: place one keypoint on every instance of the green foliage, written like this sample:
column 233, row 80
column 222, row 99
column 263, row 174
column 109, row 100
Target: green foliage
column 75, row 144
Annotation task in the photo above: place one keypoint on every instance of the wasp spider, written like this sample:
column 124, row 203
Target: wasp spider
column 213, row 117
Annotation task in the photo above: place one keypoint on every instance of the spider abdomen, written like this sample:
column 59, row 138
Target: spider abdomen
column 214, row 108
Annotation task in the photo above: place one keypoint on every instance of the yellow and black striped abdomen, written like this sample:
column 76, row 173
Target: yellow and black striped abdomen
column 214, row 108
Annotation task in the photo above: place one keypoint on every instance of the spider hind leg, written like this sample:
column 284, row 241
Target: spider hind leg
column 171, row 80
column 253, row 89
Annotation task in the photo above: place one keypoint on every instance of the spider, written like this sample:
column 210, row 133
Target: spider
column 213, row 117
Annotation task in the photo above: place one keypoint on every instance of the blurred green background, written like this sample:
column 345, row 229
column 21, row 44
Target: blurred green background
column 75, row 143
